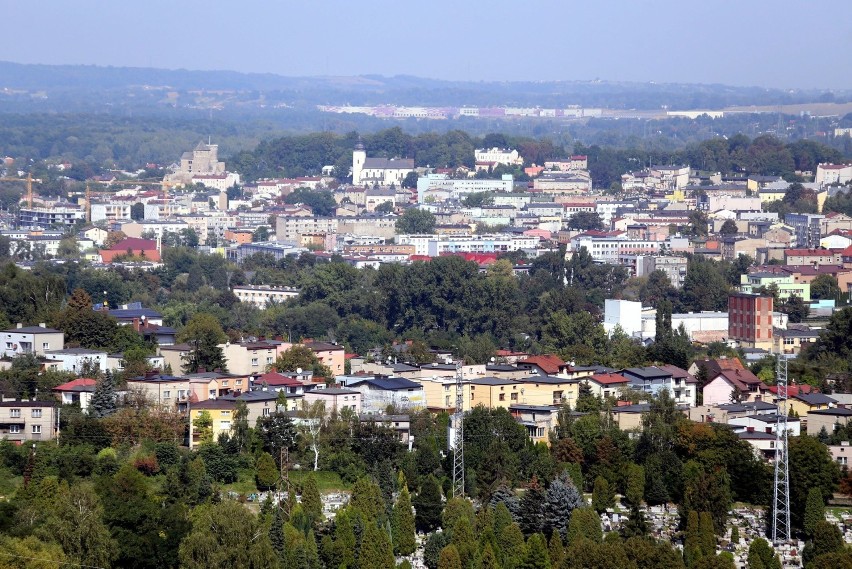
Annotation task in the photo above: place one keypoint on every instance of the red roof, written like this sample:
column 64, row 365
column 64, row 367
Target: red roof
column 276, row 379
column 794, row 390
column 608, row 378
column 549, row 364
column 808, row 252
column 77, row 383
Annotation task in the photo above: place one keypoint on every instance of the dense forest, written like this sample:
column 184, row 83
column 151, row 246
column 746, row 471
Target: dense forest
column 292, row 145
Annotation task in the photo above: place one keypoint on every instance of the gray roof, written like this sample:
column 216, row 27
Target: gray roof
column 32, row 330
column 492, row 381
column 389, row 163
column 836, row 411
column 815, row 398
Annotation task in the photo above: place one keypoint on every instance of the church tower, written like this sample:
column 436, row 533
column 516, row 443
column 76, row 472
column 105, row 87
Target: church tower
column 359, row 155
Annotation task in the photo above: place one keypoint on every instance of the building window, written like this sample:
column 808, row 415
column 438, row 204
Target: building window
column 225, row 425
column 36, row 429
column 36, row 413
column 224, row 383
column 239, row 383
column 45, row 346
column 166, row 394
column 514, row 397
column 254, row 362
column 15, row 413
column 503, row 397
column 266, row 411
column 14, row 429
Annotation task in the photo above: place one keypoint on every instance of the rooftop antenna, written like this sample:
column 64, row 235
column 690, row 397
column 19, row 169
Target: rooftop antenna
column 781, row 488
column 458, row 454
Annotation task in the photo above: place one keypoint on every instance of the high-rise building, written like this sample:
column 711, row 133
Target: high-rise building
column 750, row 320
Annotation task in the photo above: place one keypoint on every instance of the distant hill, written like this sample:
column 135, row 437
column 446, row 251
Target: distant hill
column 87, row 87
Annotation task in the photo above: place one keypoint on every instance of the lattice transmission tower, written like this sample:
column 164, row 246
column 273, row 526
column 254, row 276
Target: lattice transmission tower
column 781, row 488
column 458, row 419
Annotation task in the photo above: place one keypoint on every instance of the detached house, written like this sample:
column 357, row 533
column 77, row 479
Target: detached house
column 653, row 379
column 28, row 420
column 78, row 392
column 728, row 381
column 379, row 393
column 31, row 340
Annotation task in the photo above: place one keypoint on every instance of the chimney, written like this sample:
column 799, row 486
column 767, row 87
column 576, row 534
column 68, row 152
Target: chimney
column 202, row 370
column 42, row 325
column 749, row 429
column 20, row 325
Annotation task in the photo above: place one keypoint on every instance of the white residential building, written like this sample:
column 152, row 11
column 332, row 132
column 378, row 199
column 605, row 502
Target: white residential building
column 435, row 245
column 505, row 156
column 261, row 295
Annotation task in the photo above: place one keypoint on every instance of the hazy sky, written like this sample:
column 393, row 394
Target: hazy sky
column 772, row 43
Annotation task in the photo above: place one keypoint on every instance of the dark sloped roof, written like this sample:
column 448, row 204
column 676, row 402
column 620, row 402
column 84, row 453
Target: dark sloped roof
column 389, row 383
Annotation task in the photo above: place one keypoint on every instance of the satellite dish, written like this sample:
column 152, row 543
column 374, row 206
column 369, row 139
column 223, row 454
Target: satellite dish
column 299, row 370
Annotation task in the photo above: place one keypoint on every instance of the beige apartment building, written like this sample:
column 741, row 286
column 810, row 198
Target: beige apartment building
column 28, row 420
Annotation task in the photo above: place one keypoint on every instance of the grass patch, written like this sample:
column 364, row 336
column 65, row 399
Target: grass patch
column 245, row 483
column 326, row 481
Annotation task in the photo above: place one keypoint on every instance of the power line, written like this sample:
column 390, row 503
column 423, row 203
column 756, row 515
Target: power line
column 781, row 486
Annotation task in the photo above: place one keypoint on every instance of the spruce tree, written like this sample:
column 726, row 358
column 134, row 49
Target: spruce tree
column 428, row 506
column 561, row 498
column 531, row 515
column 276, row 532
column 103, row 402
column 404, row 542
column 735, row 535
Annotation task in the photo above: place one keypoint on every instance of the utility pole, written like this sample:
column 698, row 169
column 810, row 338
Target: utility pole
column 781, row 488
column 458, row 418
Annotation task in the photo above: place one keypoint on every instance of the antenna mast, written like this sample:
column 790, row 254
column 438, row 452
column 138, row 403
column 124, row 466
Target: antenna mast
column 458, row 454
column 781, row 488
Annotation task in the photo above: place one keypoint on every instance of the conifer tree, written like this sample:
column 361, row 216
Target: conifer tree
column 449, row 558
column 462, row 537
column 531, row 515
column 311, row 500
column 707, row 534
column 561, row 498
column 502, row 518
column 276, row 532
column 556, row 550
column 428, row 506
column 488, row 559
column 814, row 511
column 692, row 542
column 585, row 523
column 404, row 542
column 537, row 556
column 376, row 549
column 103, row 402
column 603, row 497
column 512, row 544
column 762, row 556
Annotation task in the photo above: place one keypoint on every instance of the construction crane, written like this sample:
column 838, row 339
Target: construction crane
column 29, row 180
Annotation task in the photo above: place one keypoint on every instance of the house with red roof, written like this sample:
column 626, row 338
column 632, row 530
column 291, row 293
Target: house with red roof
column 606, row 384
column 728, row 380
column 132, row 246
column 76, row 392
column 542, row 365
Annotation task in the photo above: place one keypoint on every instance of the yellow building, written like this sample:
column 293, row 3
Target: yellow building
column 221, row 414
column 549, row 390
column 804, row 403
column 491, row 392
column 440, row 393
